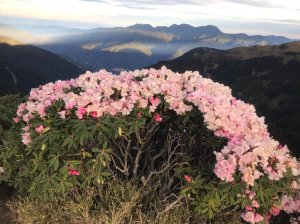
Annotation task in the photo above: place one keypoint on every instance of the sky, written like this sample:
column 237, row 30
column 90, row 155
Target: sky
column 265, row 17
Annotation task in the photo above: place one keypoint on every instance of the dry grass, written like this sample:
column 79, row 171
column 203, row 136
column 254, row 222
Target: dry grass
column 121, row 204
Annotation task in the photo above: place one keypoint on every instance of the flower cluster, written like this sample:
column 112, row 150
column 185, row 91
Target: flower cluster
column 291, row 204
column 250, row 151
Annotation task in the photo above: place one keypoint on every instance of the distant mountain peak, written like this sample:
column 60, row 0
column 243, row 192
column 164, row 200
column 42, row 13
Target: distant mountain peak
column 141, row 26
column 212, row 28
column 183, row 25
column 175, row 26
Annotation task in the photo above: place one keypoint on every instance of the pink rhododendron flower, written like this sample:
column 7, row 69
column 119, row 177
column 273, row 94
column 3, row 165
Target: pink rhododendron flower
column 73, row 172
column 70, row 105
column 80, row 112
column 62, row 114
column 21, row 108
column 26, row 139
column 187, row 178
column 288, row 204
column 248, row 208
column 26, row 128
column 248, row 176
column 154, row 103
column 250, row 194
column 143, row 103
column 234, row 102
column 295, row 185
column 255, row 204
column 93, row 114
column 252, row 217
column 275, row 210
column 139, row 114
column 16, row 119
column 225, row 170
column 39, row 129
column 157, row 118
column 258, row 217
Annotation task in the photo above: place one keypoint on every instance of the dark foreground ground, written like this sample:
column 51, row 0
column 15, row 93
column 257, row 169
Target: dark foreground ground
column 5, row 195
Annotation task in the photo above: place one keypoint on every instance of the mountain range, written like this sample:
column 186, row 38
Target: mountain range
column 265, row 76
column 132, row 47
column 141, row 44
column 23, row 67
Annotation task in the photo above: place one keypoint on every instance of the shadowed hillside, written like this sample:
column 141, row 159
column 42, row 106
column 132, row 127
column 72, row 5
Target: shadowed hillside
column 266, row 76
column 23, row 67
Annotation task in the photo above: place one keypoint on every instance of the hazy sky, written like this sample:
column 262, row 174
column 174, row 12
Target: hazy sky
column 278, row 17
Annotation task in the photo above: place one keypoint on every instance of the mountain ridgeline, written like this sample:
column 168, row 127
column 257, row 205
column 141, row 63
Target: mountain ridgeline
column 140, row 45
column 265, row 76
column 23, row 67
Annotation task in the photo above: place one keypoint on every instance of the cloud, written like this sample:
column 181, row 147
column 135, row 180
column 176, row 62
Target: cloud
column 287, row 21
column 288, row 4
column 256, row 3
column 148, row 2
column 140, row 4
column 23, row 1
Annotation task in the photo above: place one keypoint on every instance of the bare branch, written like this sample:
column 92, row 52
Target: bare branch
column 169, row 207
column 137, row 163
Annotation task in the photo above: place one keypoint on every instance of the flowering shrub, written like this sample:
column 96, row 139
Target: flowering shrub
column 153, row 126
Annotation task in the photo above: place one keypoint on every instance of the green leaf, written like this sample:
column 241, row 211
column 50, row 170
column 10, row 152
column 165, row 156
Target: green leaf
column 68, row 184
column 224, row 196
column 70, row 143
column 186, row 119
column 217, row 197
column 56, row 164
column 105, row 143
column 66, row 141
column 62, row 187
column 89, row 155
column 204, row 210
column 215, row 209
column 81, row 139
column 52, row 161
column 184, row 190
column 244, row 203
column 210, row 214
column 96, row 150
column 106, row 174
column 75, row 162
column 232, row 199
column 261, row 196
